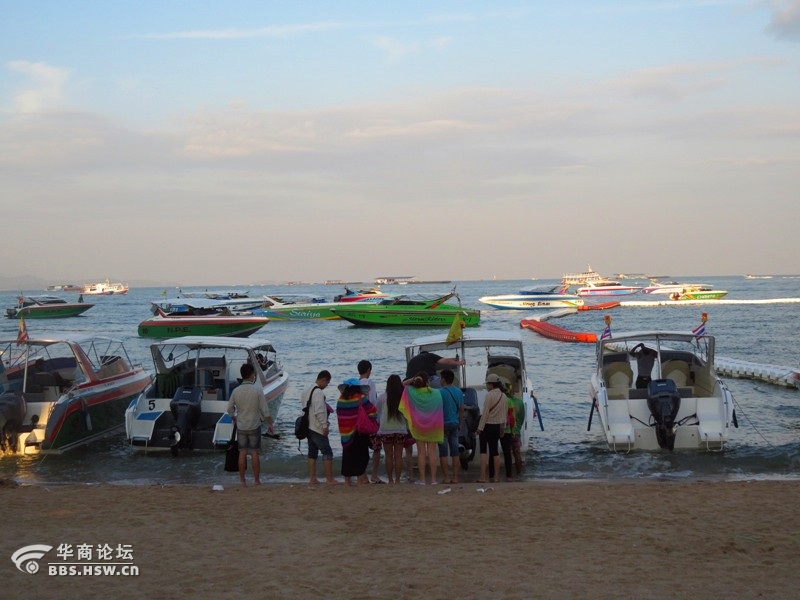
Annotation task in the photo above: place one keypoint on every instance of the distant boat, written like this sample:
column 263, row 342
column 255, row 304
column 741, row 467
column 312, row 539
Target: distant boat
column 46, row 307
column 758, row 276
column 607, row 287
column 199, row 316
column 64, row 287
column 583, row 278
column 414, row 310
column 105, row 288
column 359, row 295
column 535, row 297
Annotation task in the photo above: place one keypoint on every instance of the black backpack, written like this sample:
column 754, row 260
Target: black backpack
column 301, row 423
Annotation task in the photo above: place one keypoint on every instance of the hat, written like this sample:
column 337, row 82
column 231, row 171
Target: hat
column 350, row 382
column 492, row 378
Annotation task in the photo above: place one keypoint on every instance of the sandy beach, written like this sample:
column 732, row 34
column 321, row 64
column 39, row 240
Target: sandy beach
column 514, row 540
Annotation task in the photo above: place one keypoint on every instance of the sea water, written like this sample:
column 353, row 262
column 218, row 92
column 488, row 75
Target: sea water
column 766, row 444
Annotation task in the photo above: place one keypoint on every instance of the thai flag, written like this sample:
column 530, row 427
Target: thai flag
column 606, row 333
column 700, row 331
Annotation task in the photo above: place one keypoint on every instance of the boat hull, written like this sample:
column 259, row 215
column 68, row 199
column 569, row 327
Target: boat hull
column 404, row 317
column 55, row 311
column 521, row 302
column 609, row 291
column 233, row 326
column 310, row 312
column 90, row 416
column 703, row 295
column 681, row 404
column 189, row 396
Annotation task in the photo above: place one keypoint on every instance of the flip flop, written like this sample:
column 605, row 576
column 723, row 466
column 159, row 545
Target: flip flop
column 377, row 481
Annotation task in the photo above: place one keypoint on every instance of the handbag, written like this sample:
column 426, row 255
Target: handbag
column 365, row 425
column 232, row 454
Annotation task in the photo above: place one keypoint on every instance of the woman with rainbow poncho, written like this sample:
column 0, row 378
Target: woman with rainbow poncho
column 421, row 405
column 355, row 446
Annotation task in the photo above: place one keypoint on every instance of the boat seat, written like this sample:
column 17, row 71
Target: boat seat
column 618, row 377
column 678, row 371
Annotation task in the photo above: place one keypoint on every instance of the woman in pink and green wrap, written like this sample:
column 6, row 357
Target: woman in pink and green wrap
column 421, row 405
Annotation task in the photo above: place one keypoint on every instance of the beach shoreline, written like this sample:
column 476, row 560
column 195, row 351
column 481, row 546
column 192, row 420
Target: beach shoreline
column 544, row 539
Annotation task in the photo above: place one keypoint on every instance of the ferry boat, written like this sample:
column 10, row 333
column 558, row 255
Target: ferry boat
column 105, row 288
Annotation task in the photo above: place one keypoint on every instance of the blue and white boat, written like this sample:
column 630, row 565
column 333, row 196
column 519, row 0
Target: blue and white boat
column 535, row 297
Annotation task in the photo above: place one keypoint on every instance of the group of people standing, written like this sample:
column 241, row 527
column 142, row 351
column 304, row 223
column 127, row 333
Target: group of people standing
column 425, row 410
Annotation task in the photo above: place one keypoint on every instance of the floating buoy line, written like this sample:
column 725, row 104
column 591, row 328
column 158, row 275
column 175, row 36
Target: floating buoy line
column 727, row 367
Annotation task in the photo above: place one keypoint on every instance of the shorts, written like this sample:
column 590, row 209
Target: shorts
column 390, row 439
column 449, row 447
column 516, row 442
column 409, row 441
column 375, row 442
column 319, row 444
column 249, row 439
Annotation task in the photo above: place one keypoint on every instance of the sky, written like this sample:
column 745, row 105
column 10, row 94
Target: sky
column 209, row 142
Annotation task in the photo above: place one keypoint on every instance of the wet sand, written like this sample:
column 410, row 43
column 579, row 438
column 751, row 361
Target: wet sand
column 516, row 540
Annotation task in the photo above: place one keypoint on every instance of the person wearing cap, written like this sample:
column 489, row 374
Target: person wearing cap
column 491, row 426
column 429, row 362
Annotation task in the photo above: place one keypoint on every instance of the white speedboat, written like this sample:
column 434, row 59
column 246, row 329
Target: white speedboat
column 61, row 392
column 607, row 287
column 535, row 297
column 684, row 406
column 670, row 287
column 485, row 352
column 185, row 407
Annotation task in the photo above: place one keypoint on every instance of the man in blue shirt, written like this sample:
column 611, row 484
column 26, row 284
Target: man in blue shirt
column 453, row 409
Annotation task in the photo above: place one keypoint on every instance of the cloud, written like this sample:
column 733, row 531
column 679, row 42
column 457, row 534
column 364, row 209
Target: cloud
column 233, row 33
column 396, row 49
column 785, row 21
column 47, row 86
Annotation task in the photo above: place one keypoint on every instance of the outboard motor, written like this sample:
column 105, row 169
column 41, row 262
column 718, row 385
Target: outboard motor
column 664, row 402
column 467, row 436
column 186, row 409
column 12, row 414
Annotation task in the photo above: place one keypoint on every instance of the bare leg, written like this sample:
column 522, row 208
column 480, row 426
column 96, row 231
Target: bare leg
column 421, row 456
column 433, row 450
column 242, row 466
column 388, row 450
column 312, row 470
column 398, row 462
column 443, row 464
column 456, row 465
column 327, row 465
column 409, row 450
column 496, row 462
column 484, row 466
column 376, row 461
column 256, row 466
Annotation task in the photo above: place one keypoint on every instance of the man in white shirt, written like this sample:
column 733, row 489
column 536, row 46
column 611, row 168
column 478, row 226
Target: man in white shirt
column 318, row 428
